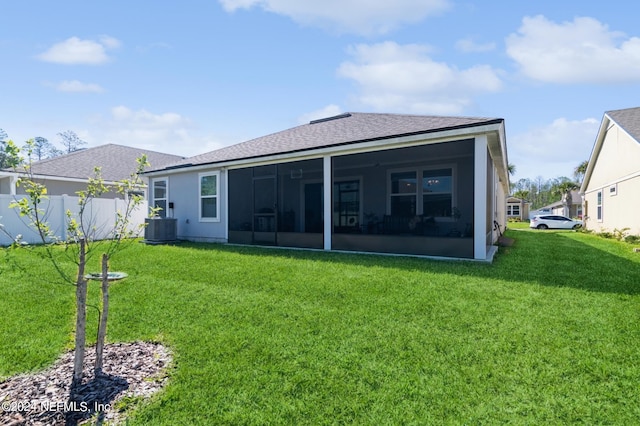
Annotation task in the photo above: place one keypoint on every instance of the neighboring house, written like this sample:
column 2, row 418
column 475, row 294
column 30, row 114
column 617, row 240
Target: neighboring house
column 69, row 173
column 611, row 184
column 517, row 208
column 382, row 183
column 558, row 208
column 64, row 176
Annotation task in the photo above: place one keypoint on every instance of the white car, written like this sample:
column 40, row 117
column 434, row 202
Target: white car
column 553, row 221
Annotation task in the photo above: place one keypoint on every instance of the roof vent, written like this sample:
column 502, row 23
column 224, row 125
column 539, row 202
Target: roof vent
column 335, row 117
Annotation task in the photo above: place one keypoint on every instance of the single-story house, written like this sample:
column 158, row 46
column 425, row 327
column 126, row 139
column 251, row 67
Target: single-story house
column 558, row 208
column 69, row 173
column 363, row 182
column 611, row 185
column 517, row 208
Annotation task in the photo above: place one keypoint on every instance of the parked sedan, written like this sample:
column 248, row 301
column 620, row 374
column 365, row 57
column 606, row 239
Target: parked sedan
column 550, row 221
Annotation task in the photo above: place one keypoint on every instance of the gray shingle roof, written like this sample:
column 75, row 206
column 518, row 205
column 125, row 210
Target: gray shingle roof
column 333, row 131
column 628, row 119
column 117, row 162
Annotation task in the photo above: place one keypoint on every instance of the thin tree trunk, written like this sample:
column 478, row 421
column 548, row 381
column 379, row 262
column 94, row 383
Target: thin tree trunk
column 102, row 328
column 81, row 318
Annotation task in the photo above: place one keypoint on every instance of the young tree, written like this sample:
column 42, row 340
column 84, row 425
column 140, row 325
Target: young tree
column 122, row 231
column 71, row 141
column 81, row 242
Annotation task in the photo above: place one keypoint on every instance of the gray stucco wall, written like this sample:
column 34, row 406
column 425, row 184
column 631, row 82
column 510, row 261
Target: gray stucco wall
column 5, row 185
column 183, row 193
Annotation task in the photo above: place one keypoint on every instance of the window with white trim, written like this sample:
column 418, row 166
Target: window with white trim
column 421, row 192
column 160, row 196
column 599, row 206
column 208, row 190
column 513, row 209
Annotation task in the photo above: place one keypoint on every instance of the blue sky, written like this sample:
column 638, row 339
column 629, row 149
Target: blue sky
column 191, row 76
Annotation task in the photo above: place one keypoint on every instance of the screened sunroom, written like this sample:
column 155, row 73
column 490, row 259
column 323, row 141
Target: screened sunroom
column 415, row 200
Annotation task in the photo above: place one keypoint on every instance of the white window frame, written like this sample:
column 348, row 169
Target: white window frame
column 613, row 190
column 165, row 211
column 419, row 191
column 216, row 197
column 599, row 202
column 510, row 210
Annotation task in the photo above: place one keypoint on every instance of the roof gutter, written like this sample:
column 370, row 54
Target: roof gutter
column 53, row 177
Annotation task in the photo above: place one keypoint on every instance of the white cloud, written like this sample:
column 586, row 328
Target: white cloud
column 165, row 132
column 78, row 87
column 160, row 45
column 581, row 51
column 77, row 51
column 328, row 111
column 469, row 45
column 168, row 132
column 404, row 78
column 146, row 119
column 110, row 42
column 356, row 16
column 552, row 150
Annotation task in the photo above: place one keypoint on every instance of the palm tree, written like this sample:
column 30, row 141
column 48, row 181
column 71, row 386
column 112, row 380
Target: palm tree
column 563, row 190
column 511, row 169
column 580, row 170
column 522, row 194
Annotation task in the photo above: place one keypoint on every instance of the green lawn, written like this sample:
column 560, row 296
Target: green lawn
column 547, row 334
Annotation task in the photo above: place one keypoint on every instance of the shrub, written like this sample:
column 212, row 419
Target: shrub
column 632, row 239
column 620, row 234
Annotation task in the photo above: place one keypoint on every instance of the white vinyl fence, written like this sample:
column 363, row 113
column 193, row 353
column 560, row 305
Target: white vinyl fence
column 100, row 214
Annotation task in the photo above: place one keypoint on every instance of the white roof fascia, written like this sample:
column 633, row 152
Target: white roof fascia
column 54, row 178
column 345, row 149
column 595, row 151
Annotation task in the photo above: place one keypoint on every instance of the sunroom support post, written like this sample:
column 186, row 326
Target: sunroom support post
column 327, row 183
column 480, row 198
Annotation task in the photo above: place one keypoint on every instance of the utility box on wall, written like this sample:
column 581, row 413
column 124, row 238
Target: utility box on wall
column 159, row 230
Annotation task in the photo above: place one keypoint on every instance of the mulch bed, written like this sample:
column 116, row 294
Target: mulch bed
column 131, row 370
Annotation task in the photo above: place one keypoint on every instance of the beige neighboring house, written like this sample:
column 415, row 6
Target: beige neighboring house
column 69, row 173
column 517, row 208
column 611, row 185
